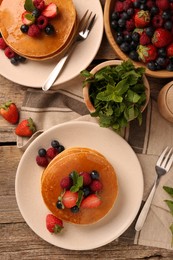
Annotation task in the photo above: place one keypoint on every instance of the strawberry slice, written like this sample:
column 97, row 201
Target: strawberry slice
column 27, row 18
column 92, row 201
column 54, row 224
column 69, row 199
column 50, row 10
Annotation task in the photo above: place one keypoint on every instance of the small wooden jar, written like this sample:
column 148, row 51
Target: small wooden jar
column 165, row 101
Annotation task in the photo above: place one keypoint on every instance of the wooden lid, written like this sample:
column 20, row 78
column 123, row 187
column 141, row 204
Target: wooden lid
column 165, row 101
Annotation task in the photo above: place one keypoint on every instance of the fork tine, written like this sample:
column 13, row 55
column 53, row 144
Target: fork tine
column 165, row 161
column 159, row 161
column 82, row 20
column 169, row 163
column 85, row 25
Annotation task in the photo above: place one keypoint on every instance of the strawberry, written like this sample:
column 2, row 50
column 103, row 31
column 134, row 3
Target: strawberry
column 69, row 199
column 9, row 112
column 92, row 201
column 54, row 224
column 26, row 128
column 144, row 39
column 66, row 183
column 27, row 18
column 50, row 10
column 161, row 38
column 142, row 19
column 169, row 50
column 147, row 53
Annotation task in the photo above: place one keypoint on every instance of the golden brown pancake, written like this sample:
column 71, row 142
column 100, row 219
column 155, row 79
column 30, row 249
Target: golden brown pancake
column 80, row 159
column 44, row 45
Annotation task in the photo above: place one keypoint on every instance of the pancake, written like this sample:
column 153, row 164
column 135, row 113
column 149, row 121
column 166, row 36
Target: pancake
column 44, row 45
column 79, row 159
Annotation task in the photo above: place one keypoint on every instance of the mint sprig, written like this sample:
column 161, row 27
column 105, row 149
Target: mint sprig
column 77, row 182
column 169, row 203
column 29, row 6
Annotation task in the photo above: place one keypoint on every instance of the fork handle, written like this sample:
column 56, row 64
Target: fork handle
column 56, row 71
column 142, row 216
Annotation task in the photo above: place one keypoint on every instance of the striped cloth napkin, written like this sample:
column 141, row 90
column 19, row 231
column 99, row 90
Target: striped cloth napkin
column 148, row 141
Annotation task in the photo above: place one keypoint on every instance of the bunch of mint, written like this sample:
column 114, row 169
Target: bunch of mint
column 169, row 203
column 117, row 93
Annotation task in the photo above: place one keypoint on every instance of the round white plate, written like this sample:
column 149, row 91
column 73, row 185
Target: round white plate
column 130, row 179
column 34, row 73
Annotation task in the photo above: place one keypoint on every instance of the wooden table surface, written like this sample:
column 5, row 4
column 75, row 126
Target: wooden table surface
column 17, row 240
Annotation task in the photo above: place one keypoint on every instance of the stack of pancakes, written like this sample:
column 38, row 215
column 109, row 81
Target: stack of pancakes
column 79, row 159
column 42, row 47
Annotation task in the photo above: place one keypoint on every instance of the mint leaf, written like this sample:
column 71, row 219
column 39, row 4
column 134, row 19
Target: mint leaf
column 30, row 17
column 80, row 197
column 169, row 190
column 77, row 182
column 29, row 6
column 132, row 97
column 170, row 205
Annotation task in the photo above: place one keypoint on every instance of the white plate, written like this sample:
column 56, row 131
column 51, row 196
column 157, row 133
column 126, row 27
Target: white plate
column 130, row 179
column 34, row 73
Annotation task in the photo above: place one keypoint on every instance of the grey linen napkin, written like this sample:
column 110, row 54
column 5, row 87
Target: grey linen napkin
column 148, row 140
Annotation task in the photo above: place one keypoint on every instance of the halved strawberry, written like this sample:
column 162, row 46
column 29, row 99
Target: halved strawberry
column 92, row 201
column 28, row 18
column 50, row 10
column 69, row 199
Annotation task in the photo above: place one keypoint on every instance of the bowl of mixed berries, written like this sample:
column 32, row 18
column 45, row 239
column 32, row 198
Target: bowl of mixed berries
column 142, row 30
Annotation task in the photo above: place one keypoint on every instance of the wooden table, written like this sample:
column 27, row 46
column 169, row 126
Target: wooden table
column 17, row 240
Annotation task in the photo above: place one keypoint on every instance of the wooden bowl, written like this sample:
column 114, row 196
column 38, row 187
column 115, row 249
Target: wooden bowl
column 111, row 36
column 86, row 96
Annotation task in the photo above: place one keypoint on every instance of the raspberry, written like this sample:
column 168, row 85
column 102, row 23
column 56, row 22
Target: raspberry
column 3, row 44
column 162, row 4
column 33, row 30
column 9, row 52
column 66, row 183
column 52, row 152
column 119, row 6
column 130, row 25
column 42, row 161
column 150, row 4
column 144, row 39
column 127, row 4
column 86, row 178
column 96, row 185
column 157, row 21
column 39, row 4
column 42, row 22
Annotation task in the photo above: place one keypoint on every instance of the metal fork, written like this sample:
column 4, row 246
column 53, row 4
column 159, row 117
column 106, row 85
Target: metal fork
column 84, row 28
column 163, row 165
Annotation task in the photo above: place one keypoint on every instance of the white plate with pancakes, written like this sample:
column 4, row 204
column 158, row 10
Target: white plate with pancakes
column 34, row 73
column 130, row 186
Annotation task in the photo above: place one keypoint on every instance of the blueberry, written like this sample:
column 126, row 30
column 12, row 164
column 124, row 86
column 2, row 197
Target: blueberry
column 14, row 60
column 130, row 12
column 36, row 13
column 95, row 175
column 135, row 36
column 134, row 55
column 128, row 38
column 168, row 25
column 55, row 144
column 133, row 45
column 75, row 209
column 119, row 39
column 21, row 59
column 124, row 16
column 136, row 4
column 60, row 148
column 161, row 61
column 24, row 28
column 121, row 22
column 114, row 24
column 86, row 190
column 49, row 29
column 170, row 67
column 59, row 204
column 115, row 16
column 154, row 10
column 143, row 7
column 125, row 47
column 166, row 15
column 149, row 31
column 151, row 65
column 162, row 52
column 42, row 152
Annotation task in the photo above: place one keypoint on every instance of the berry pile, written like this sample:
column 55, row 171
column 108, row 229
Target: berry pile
column 45, row 156
column 80, row 190
column 10, row 54
column 36, row 18
column 144, row 31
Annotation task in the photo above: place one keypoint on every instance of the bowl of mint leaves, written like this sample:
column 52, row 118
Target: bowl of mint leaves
column 116, row 93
